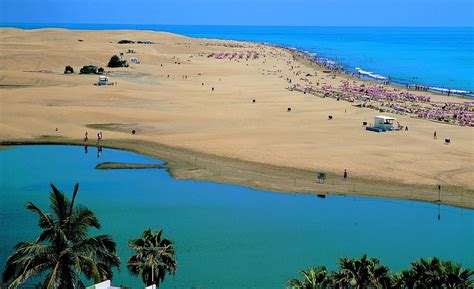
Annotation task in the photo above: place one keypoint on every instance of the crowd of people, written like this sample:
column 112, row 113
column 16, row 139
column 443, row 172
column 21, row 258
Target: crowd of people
column 393, row 100
column 236, row 55
column 371, row 95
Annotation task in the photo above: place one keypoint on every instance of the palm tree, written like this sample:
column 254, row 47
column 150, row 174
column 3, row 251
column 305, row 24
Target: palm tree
column 313, row 278
column 404, row 279
column 435, row 273
column 457, row 277
column 63, row 250
column 362, row 273
column 154, row 257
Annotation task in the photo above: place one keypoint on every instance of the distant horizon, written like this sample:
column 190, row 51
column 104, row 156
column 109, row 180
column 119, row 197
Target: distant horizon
column 231, row 25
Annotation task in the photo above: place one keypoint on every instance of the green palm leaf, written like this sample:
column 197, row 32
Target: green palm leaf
column 154, row 257
column 63, row 250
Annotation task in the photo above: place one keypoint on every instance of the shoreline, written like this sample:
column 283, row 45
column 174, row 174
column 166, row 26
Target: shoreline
column 310, row 56
column 431, row 113
column 307, row 58
column 312, row 61
column 347, row 71
column 184, row 164
column 250, row 129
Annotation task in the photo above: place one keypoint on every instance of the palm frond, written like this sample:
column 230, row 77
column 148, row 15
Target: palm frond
column 45, row 220
column 63, row 250
column 59, row 204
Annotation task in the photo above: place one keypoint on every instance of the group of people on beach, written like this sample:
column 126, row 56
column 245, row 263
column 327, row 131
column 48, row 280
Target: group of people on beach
column 375, row 96
column 392, row 100
column 380, row 97
column 99, row 136
column 240, row 55
column 419, row 87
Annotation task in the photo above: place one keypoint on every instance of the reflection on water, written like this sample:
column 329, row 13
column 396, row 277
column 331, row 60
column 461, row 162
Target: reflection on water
column 439, row 212
column 227, row 236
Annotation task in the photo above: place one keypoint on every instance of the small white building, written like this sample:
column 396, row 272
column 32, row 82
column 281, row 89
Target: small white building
column 384, row 122
column 103, row 285
column 103, row 80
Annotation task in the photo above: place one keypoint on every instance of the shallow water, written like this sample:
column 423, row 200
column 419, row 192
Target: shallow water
column 226, row 236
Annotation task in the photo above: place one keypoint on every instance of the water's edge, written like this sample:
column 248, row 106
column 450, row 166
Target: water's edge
column 226, row 236
column 214, row 33
column 183, row 164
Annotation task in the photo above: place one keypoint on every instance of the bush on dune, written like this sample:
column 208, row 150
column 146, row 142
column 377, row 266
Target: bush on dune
column 91, row 69
column 125, row 41
column 68, row 69
column 115, row 61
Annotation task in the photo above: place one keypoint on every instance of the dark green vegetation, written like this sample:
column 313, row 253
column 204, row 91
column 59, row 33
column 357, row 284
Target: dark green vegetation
column 116, row 61
column 154, row 257
column 63, row 252
column 125, row 41
column 68, row 69
column 434, row 273
column 369, row 273
column 91, row 69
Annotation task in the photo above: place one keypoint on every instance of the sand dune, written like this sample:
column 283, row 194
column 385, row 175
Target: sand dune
column 168, row 99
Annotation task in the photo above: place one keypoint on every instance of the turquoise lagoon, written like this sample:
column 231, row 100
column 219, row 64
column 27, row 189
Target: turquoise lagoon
column 226, row 236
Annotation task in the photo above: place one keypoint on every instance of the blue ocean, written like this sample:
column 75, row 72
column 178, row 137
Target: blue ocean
column 435, row 56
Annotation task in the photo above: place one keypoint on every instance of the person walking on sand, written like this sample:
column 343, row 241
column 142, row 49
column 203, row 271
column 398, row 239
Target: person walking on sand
column 345, row 175
column 434, row 135
column 86, row 138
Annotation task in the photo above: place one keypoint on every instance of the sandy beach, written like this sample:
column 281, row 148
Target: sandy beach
column 187, row 99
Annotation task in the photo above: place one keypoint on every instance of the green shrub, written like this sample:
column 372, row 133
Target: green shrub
column 68, row 69
column 125, row 41
column 91, row 69
column 115, row 61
